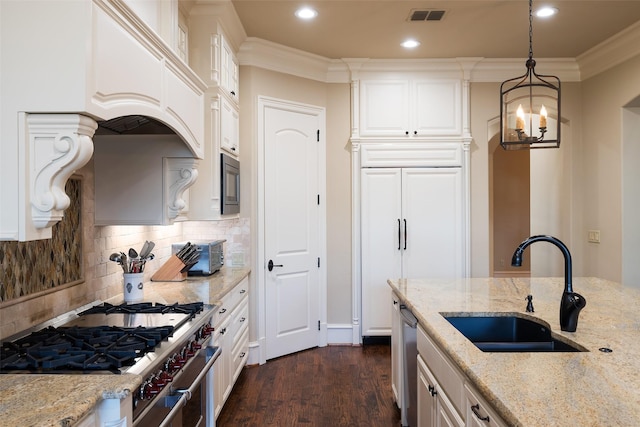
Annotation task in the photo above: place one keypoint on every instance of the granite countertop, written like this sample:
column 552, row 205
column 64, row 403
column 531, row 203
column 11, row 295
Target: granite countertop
column 58, row 400
column 63, row 400
column 591, row 388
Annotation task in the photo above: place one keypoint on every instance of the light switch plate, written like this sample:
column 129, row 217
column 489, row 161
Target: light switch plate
column 593, row 236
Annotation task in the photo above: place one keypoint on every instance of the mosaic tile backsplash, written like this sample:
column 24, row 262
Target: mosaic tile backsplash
column 31, row 267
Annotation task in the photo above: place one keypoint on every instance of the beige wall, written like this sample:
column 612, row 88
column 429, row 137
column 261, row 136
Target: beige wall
column 603, row 98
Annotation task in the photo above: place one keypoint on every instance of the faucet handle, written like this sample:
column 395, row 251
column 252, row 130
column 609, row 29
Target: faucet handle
column 530, row 304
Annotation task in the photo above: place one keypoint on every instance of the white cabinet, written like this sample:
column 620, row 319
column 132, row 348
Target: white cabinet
column 231, row 334
column 213, row 58
column 229, row 70
column 445, row 395
column 396, row 350
column 412, row 226
column 479, row 412
column 229, row 128
column 112, row 412
column 410, row 107
column 434, row 407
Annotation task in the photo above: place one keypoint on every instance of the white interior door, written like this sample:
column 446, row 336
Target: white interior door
column 292, row 243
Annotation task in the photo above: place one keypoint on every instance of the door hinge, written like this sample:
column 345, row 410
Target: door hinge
column 318, row 136
column 318, row 325
column 318, row 262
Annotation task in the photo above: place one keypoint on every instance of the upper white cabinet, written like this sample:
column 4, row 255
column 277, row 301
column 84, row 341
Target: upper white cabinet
column 213, row 57
column 229, row 127
column 229, row 70
column 410, row 107
column 106, row 63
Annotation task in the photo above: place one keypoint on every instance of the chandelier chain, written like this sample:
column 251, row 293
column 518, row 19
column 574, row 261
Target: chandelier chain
column 530, row 29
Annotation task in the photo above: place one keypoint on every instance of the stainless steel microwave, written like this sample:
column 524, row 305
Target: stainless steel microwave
column 230, row 185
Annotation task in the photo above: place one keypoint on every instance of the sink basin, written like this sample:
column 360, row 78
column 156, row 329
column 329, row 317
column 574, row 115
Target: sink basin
column 508, row 333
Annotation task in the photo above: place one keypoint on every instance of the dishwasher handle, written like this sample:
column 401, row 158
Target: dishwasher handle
column 408, row 317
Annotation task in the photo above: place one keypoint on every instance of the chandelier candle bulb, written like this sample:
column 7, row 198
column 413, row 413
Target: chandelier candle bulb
column 520, row 118
column 543, row 117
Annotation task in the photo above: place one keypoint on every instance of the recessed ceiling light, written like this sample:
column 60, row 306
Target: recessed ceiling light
column 410, row 43
column 306, row 13
column 546, row 12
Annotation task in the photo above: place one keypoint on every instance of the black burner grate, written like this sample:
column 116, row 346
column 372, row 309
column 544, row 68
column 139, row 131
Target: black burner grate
column 81, row 348
column 145, row 307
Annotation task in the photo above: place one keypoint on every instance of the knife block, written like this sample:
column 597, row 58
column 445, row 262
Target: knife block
column 170, row 271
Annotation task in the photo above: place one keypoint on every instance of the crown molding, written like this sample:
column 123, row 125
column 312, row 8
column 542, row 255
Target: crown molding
column 276, row 57
column 611, row 52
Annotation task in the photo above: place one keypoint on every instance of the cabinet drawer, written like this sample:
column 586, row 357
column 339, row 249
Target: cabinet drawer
column 239, row 320
column 479, row 412
column 230, row 301
column 240, row 353
column 446, row 374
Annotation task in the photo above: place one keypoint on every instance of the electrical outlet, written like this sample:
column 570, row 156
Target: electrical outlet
column 593, row 236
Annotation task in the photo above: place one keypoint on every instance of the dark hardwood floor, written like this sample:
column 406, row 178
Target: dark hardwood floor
column 332, row 386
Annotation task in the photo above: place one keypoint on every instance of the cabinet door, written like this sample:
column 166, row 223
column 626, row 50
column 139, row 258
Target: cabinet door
column 222, row 366
column 384, row 107
column 436, row 107
column 229, row 70
column 432, row 209
column 427, row 403
column 380, row 242
column 229, row 127
column 397, row 362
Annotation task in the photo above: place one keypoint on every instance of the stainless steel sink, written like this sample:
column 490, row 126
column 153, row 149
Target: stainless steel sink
column 508, row 333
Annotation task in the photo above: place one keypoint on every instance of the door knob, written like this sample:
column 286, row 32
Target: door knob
column 270, row 265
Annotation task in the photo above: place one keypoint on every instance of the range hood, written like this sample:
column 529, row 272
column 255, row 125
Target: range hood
column 107, row 72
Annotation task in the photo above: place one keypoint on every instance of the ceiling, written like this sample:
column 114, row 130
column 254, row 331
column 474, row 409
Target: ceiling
column 469, row 28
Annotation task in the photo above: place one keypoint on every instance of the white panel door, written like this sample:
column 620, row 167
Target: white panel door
column 432, row 214
column 292, row 241
column 381, row 245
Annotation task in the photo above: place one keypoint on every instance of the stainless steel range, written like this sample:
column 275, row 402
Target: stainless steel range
column 168, row 345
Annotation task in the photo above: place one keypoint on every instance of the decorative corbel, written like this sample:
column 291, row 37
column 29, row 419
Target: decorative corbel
column 180, row 174
column 58, row 145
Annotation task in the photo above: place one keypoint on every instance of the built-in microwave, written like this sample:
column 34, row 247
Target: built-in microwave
column 230, row 185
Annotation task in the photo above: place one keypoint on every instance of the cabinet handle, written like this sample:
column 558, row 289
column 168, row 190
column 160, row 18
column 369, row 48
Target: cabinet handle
column 224, row 310
column 406, row 132
column 242, row 291
column 233, row 148
column 222, row 331
column 399, row 235
column 233, row 92
column 476, row 411
column 415, row 132
column 405, row 234
column 432, row 390
column 242, row 354
column 243, row 319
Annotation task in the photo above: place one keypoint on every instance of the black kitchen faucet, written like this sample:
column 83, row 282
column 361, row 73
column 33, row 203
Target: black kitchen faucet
column 571, row 302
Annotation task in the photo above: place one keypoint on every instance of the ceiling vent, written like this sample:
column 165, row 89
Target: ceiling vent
column 426, row 15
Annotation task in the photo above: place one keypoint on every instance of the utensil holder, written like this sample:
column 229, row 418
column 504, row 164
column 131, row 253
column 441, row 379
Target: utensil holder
column 133, row 287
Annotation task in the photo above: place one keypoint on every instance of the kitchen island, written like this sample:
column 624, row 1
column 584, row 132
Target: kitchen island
column 65, row 400
column 593, row 388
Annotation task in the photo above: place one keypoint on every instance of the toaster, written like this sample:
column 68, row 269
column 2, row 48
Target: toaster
column 211, row 257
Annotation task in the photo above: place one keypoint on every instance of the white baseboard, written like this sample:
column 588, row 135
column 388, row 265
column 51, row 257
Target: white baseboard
column 340, row 334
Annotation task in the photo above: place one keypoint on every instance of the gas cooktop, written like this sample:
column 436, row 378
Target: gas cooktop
column 104, row 337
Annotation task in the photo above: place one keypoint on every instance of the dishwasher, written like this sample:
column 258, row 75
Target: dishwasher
column 409, row 409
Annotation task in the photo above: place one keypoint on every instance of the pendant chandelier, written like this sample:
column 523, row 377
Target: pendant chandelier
column 530, row 107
